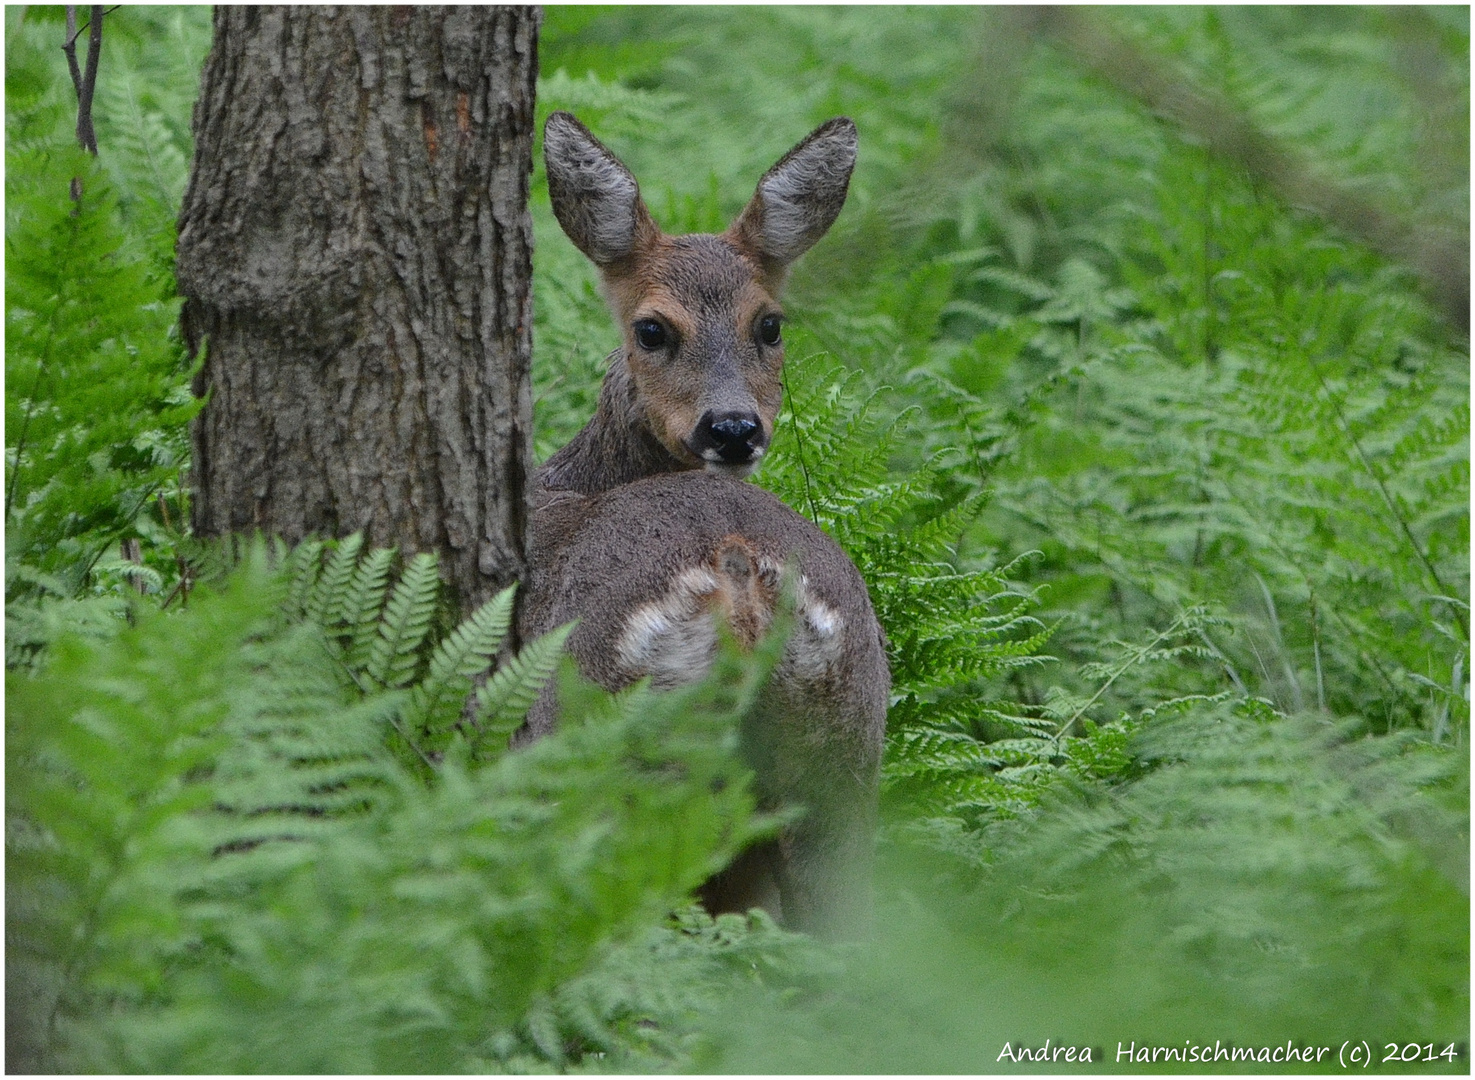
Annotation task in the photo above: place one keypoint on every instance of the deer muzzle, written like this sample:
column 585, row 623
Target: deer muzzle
column 727, row 441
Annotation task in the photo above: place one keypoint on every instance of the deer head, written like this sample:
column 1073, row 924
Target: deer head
column 702, row 326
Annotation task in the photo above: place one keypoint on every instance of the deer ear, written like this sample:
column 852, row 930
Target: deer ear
column 799, row 198
column 595, row 198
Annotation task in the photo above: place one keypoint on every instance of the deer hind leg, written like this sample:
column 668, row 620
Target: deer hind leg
column 673, row 640
column 815, row 741
column 749, row 881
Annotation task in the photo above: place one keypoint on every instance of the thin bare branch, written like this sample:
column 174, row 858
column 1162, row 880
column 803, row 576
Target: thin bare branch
column 86, row 136
column 85, row 84
column 70, row 48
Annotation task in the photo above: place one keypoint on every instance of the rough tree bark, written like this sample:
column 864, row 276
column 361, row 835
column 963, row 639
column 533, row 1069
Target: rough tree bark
column 355, row 251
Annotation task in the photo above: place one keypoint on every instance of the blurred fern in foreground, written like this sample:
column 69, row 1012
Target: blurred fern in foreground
column 217, row 861
column 1264, row 881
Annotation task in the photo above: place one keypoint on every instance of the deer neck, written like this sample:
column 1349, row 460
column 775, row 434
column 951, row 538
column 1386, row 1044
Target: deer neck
column 616, row 447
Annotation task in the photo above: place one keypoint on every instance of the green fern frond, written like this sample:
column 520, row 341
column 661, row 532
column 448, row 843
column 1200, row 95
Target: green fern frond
column 506, row 697
column 436, row 701
column 394, row 656
column 357, row 616
column 301, row 568
column 326, row 596
column 378, row 651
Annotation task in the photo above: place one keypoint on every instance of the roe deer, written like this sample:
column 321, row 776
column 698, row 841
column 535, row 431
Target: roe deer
column 643, row 530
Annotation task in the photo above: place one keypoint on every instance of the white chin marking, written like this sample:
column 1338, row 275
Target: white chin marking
column 736, row 472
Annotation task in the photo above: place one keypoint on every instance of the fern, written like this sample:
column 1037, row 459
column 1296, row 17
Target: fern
column 329, row 588
column 386, row 644
column 647, row 1004
column 358, row 615
column 45, row 610
column 201, row 805
column 437, row 701
column 1267, row 474
column 1234, row 440
column 301, row 566
column 97, row 405
column 93, row 370
column 393, row 658
column 1265, row 879
column 104, row 786
column 950, row 631
column 506, row 697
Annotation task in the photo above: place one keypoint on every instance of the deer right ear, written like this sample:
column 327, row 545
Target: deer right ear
column 595, row 198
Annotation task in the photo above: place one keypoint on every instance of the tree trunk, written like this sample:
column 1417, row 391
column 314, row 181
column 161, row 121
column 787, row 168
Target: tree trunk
column 355, row 249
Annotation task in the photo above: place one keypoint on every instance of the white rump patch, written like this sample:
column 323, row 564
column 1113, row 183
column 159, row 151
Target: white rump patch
column 673, row 639
column 815, row 646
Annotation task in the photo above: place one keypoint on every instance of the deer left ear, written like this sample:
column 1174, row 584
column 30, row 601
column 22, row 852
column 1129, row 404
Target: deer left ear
column 799, row 198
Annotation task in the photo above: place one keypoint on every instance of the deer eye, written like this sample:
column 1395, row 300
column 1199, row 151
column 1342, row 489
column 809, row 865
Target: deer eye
column 769, row 329
column 650, row 334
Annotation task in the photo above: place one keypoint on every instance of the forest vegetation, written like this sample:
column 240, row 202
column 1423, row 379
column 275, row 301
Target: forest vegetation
column 1134, row 377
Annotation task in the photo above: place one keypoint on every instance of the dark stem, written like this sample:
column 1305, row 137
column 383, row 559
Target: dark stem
column 131, row 550
column 84, row 84
column 127, row 523
column 70, row 48
column 20, row 445
column 799, row 448
column 86, row 136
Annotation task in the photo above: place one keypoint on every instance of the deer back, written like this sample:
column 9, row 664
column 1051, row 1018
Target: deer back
column 646, row 567
column 650, row 570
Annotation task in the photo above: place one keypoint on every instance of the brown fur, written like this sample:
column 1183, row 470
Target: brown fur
column 751, row 593
column 648, row 552
column 815, row 739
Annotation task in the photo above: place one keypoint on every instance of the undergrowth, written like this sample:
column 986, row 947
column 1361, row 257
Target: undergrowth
column 223, row 823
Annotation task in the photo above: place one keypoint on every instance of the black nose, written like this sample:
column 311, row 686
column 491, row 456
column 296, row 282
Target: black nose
column 729, row 435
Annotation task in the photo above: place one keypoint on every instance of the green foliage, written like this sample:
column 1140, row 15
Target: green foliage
column 379, row 637
column 644, row 1006
column 97, row 409
column 200, row 809
column 147, row 84
column 1058, row 379
column 948, row 630
column 1308, row 471
column 1266, row 881
column 97, row 398
column 1236, row 440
